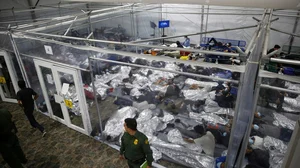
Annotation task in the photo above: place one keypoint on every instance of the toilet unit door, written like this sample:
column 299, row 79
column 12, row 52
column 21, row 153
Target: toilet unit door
column 8, row 80
column 63, row 92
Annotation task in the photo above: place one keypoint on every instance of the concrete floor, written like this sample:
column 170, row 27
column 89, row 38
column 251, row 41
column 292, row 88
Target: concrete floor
column 62, row 147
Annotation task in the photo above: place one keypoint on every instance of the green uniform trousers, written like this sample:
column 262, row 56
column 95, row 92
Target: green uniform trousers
column 12, row 152
column 134, row 165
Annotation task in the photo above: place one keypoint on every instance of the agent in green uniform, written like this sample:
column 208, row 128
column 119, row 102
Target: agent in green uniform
column 135, row 147
column 10, row 148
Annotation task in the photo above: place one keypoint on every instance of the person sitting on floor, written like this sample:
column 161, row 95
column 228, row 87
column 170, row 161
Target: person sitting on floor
column 179, row 44
column 186, row 42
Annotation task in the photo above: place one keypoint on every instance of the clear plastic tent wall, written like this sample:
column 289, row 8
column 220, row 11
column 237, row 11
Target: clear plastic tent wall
column 5, row 41
column 169, row 98
column 61, row 54
column 183, row 21
column 161, row 97
column 190, row 23
column 275, row 119
column 169, row 102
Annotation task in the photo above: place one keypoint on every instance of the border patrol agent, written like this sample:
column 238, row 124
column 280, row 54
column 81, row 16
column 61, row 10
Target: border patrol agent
column 135, row 147
column 10, row 148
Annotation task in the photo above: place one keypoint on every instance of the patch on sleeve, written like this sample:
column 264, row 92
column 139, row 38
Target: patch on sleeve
column 146, row 142
column 136, row 141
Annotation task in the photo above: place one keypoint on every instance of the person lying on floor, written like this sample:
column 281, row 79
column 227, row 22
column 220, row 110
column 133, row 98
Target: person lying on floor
column 264, row 130
column 274, row 96
column 260, row 118
column 206, row 141
column 257, row 158
column 221, row 133
column 223, row 96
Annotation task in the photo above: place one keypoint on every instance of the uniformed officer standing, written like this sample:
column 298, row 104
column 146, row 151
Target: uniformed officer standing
column 10, row 148
column 135, row 146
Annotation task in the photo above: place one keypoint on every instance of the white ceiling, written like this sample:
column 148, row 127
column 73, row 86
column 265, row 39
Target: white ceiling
column 275, row 4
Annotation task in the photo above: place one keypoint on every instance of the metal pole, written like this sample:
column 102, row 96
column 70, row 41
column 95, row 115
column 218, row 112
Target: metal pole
column 246, row 106
column 89, row 35
column 109, row 18
column 95, row 95
column 280, row 31
column 82, row 19
column 202, row 20
column 70, row 26
column 292, row 155
column 279, row 89
column 284, row 15
column 294, row 31
column 54, row 62
column 227, row 9
column 166, row 59
column 166, row 70
column 46, row 8
column 206, row 21
column 236, row 113
column 240, row 50
column 13, row 12
column 131, row 44
column 255, row 36
column 250, row 44
column 271, row 54
column 20, row 62
column 285, row 61
column 267, row 35
column 59, row 9
column 247, row 134
column 84, row 25
column 192, row 34
column 197, row 13
column 90, row 48
column 19, row 59
column 33, row 16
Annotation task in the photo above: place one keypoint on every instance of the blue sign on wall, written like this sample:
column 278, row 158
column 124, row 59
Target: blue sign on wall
column 164, row 23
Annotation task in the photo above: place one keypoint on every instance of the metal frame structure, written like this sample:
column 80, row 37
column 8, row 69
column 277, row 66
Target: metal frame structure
column 250, row 81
